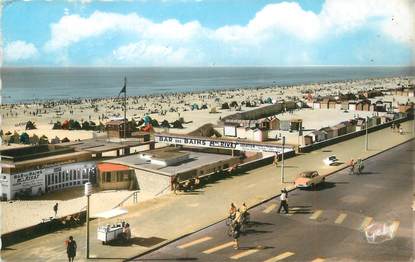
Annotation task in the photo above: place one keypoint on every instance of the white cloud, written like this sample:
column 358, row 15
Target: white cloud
column 395, row 18
column 19, row 50
column 174, row 42
column 73, row 28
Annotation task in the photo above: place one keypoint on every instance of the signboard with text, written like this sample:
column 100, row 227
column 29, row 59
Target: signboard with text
column 216, row 143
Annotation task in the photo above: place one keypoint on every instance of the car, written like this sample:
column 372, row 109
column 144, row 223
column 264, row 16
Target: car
column 309, row 179
column 330, row 160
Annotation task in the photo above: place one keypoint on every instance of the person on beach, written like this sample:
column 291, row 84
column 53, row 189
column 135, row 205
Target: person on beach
column 71, row 249
column 55, row 209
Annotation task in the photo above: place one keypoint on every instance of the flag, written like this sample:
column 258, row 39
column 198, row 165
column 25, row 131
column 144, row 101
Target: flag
column 124, row 88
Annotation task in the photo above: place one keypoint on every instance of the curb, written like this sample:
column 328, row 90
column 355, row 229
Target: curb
column 289, row 189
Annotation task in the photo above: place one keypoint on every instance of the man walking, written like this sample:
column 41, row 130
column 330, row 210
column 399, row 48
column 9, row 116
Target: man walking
column 283, row 203
column 55, row 209
column 71, row 249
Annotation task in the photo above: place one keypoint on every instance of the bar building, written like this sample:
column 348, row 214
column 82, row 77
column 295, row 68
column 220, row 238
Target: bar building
column 153, row 171
column 35, row 170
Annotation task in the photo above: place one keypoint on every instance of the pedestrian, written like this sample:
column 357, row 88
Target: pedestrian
column 283, row 202
column 71, row 249
column 236, row 233
column 55, row 209
column 276, row 160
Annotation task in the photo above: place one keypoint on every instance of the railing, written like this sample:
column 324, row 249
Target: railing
column 134, row 194
column 162, row 190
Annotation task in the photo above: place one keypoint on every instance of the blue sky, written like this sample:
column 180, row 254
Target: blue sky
column 207, row 32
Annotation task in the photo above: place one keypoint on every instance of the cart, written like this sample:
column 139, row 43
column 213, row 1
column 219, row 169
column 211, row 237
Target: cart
column 110, row 232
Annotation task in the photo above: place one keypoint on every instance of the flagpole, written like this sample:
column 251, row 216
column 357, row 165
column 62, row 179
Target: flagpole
column 125, row 108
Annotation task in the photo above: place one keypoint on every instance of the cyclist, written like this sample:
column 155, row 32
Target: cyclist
column 232, row 211
column 244, row 212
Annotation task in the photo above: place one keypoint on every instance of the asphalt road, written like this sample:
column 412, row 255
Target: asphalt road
column 327, row 224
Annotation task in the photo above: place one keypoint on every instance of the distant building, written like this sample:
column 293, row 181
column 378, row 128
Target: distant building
column 35, row 170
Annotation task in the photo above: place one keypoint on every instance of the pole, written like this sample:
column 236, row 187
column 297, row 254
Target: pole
column 367, row 134
column 125, row 109
column 87, row 193
column 413, row 121
column 282, row 160
column 87, row 227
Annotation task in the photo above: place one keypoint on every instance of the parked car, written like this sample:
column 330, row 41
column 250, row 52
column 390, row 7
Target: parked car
column 330, row 160
column 309, row 179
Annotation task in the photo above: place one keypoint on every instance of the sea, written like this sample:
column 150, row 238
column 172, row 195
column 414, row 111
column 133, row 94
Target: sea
column 42, row 83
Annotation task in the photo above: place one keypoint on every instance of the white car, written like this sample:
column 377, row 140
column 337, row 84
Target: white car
column 330, row 160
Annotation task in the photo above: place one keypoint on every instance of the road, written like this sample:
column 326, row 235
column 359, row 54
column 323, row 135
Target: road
column 323, row 225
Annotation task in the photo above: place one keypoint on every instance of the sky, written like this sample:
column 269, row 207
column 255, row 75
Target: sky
column 207, row 32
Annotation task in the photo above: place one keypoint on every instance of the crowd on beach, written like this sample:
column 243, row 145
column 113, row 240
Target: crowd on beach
column 196, row 108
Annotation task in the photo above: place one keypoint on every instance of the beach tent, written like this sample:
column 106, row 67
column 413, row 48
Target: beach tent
column 147, row 120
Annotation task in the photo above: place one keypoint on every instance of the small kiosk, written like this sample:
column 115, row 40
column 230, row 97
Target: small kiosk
column 110, row 232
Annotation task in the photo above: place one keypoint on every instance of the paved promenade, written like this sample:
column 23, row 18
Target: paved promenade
column 157, row 221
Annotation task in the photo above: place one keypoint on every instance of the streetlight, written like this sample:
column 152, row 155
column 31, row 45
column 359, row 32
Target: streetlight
column 88, row 192
column 282, row 160
column 367, row 134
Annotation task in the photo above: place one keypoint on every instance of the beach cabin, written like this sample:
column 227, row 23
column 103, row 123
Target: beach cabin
column 315, row 136
column 341, row 129
column 330, row 132
column 360, row 124
column 229, row 129
column 114, row 176
column 344, row 105
column 379, row 106
column 324, row 104
column 316, row 105
column 115, row 128
column 385, row 119
column 332, row 104
column 405, row 108
column 350, row 126
column 352, row 106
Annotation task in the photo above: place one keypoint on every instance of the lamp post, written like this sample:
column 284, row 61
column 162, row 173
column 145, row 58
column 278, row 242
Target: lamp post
column 282, row 160
column 367, row 134
column 88, row 192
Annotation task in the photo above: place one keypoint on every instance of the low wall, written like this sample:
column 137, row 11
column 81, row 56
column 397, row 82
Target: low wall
column 41, row 229
column 335, row 140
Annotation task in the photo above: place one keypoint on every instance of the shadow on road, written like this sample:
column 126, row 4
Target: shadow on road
column 257, row 223
column 139, row 241
column 254, row 231
column 168, row 259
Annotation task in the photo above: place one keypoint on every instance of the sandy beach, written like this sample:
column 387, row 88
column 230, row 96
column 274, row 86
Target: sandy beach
column 171, row 107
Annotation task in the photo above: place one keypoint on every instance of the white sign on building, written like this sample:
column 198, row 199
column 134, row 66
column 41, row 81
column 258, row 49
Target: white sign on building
column 216, row 143
column 32, row 182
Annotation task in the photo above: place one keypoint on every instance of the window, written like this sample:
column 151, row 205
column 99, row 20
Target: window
column 78, row 174
column 201, row 172
column 107, row 177
column 60, row 177
column 126, row 176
